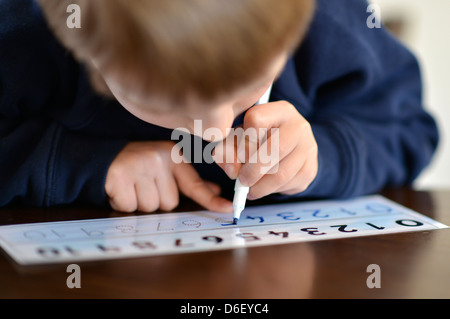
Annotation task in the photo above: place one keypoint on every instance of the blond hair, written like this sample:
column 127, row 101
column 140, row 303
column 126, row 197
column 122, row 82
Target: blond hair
column 173, row 48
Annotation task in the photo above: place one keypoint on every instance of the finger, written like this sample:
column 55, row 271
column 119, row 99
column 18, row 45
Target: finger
column 269, row 115
column 147, row 195
column 123, row 199
column 225, row 156
column 213, row 187
column 113, row 205
column 192, row 186
column 278, row 119
column 248, row 143
column 285, row 172
column 268, row 155
column 168, row 191
column 302, row 180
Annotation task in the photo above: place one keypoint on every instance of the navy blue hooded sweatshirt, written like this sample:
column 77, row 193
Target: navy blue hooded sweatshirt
column 358, row 87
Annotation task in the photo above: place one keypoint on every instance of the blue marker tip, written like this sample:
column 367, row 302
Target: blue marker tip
column 235, row 220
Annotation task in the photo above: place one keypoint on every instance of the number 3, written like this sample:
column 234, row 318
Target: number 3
column 312, row 231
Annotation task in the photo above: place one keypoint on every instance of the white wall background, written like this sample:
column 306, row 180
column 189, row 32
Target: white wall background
column 427, row 34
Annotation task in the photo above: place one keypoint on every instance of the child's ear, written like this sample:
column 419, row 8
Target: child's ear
column 97, row 81
column 99, row 85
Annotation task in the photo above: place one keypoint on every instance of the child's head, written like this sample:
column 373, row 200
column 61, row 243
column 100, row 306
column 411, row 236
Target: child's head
column 169, row 62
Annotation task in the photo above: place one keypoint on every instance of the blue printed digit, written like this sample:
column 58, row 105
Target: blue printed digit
column 224, row 222
column 379, row 208
column 317, row 212
column 344, row 210
column 288, row 216
column 261, row 219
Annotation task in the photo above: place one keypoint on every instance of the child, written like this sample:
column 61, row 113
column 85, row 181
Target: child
column 88, row 117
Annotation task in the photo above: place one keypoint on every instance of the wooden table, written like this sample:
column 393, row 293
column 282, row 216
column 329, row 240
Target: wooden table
column 413, row 265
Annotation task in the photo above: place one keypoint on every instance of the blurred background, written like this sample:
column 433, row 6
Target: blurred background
column 424, row 27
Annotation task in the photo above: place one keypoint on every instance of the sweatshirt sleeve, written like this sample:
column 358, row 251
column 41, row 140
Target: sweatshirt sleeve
column 361, row 91
column 44, row 160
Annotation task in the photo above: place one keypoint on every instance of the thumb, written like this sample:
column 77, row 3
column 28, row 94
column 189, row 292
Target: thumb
column 225, row 156
column 200, row 191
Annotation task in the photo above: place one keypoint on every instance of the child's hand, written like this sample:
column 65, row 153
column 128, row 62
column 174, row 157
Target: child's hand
column 143, row 177
column 296, row 165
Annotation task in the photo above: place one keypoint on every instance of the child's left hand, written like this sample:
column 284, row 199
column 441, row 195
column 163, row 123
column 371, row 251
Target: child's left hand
column 295, row 166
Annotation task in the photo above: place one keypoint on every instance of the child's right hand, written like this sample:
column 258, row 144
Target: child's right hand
column 144, row 178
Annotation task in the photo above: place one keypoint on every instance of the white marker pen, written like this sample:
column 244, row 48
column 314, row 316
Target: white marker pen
column 241, row 191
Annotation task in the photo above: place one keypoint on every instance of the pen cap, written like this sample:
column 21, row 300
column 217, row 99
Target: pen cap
column 240, row 195
column 238, row 186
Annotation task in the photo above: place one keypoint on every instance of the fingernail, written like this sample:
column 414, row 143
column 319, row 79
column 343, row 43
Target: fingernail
column 243, row 180
column 229, row 170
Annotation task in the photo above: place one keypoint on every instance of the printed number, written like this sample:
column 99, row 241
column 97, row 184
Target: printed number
column 342, row 228
column 215, row 239
column 375, row 226
column 34, row 234
column 126, row 229
column 179, row 243
column 108, row 249
column 261, row 219
column 284, row 234
column 312, row 231
column 379, row 208
column 344, row 210
column 162, row 229
column 316, row 213
column 288, row 216
column 51, row 252
column 144, row 244
column 408, row 222
column 224, row 222
column 191, row 223
column 248, row 236
column 48, row 252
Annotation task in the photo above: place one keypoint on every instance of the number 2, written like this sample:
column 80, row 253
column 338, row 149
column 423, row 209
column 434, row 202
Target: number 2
column 342, row 228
